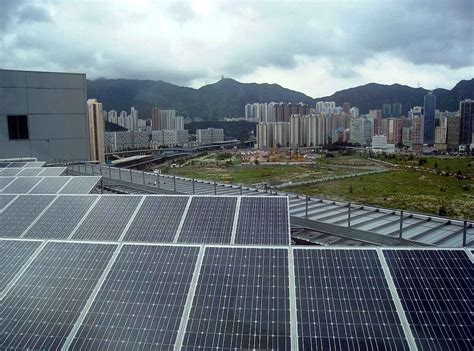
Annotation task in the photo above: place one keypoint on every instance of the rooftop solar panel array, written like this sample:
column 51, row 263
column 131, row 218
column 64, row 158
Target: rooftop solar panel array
column 80, row 185
column 52, row 171
column 157, row 219
column 50, row 185
column 59, row 220
column 437, row 293
column 209, row 220
column 13, row 255
column 4, row 181
column 344, row 302
column 140, row 304
column 263, row 220
column 241, row 301
column 10, row 172
column 17, row 164
column 16, row 218
column 109, row 218
column 21, row 185
column 5, row 200
column 30, row 172
column 42, row 306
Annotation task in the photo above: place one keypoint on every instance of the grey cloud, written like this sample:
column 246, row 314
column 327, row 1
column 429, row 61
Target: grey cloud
column 34, row 14
column 181, row 11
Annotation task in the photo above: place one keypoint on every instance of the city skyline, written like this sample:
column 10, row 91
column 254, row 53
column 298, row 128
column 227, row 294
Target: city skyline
column 334, row 43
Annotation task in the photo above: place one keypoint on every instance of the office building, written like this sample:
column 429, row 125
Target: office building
column 375, row 117
column 43, row 115
column 466, row 123
column 96, row 130
column 452, row 132
column 429, row 118
column 361, row 131
column 391, row 110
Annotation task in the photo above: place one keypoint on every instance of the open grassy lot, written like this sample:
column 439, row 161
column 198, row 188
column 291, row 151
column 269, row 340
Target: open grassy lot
column 248, row 175
column 449, row 164
column 409, row 190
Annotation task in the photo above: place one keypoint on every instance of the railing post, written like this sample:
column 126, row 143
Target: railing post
column 400, row 232
column 215, row 188
column 101, row 185
column 110, row 172
column 158, row 180
column 174, row 183
column 306, row 207
column 100, row 169
column 349, row 215
column 143, row 173
column 131, row 176
column 240, row 189
column 464, row 234
column 193, row 185
column 120, row 173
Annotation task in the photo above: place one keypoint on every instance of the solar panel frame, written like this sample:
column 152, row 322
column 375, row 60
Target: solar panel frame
column 101, row 224
column 80, row 185
column 62, row 276
column 17, row 164
column 215, row 214
column 157, row 219
column 244, row 313
column 60, row 219
column 345, row 302
column 4, row 164
column 13, row 255
column 435, row 290
column 263, row 221
column 141, row 301
column 5, row 199
column 35, row 164
column 51, row 185
column 21, row 185
column 26, row 207
column 5, row 181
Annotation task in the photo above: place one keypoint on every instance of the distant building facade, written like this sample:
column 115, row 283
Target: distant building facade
column 429, row 118
column 466, row 123
column 209, row 135
column 96, row 130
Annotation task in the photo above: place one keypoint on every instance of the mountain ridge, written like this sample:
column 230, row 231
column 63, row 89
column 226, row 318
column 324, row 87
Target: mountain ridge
column 227, row 97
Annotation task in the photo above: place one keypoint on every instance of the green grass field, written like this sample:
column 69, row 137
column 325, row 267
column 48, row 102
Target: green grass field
column 414, row 191
column 249, row 175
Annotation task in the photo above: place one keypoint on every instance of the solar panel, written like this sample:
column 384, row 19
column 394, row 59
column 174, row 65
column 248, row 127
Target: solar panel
column 4, row 164
column 21, row 185
column 241, row 301
column 436, row 291
column 21, row 213
column 4, row 181
column 30, row 172
column 50, row 185
column 10, row 172
column 17, row 164
column 209, row 220
column 13, row 255
column 35, row 164
column 108, row 219
column 263, row 220
column 52, row 171
column 80, row 185
column 344, row 302
column 5, row 200
column 43, row 305
column 61, row 217
column 157, row 219
column 140, row 304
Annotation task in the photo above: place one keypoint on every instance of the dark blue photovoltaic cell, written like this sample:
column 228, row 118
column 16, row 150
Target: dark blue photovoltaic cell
column 436, row 289
column 140, row 304
column 343, row 302
column 41, row 308
column 13, row 255
column 263, row 220
column 10, row 172
column 50, row 185
column 53, row 171
column 241, row 301
column 209, row 220
column 80, row 185
column 30, row 172
column 4, row 181
column 17, row 164
column 21, row 185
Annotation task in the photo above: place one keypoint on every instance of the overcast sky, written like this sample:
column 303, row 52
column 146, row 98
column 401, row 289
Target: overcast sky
column 312, row 46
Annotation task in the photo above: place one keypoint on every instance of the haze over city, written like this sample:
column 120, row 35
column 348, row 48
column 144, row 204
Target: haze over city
column 316, row 47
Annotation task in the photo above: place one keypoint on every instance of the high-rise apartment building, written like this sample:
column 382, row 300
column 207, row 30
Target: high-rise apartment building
column 466, row 123
column 390, row 110
column 96, row 130
column 179, row 123
column 361, row 131
column 346, row 108
column 429, row 118
column 134, row 117
column 112, row 116
column 452, row 133
column 155, row 119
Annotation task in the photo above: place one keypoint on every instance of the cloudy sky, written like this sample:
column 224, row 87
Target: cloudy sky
column 317, row 47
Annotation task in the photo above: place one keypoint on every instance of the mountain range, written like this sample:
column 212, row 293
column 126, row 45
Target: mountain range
column 227, row 97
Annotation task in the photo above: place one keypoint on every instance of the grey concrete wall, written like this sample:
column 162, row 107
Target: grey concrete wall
column 55, row 104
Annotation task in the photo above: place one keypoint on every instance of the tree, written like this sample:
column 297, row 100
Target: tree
column 442, row 211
